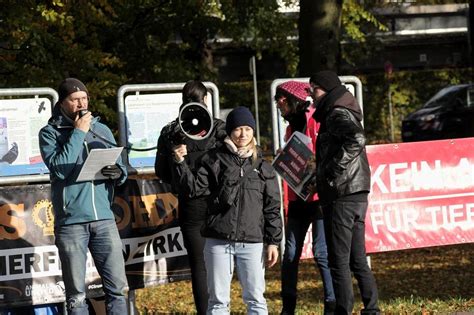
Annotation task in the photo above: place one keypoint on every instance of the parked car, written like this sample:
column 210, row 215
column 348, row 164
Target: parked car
column 448, row 114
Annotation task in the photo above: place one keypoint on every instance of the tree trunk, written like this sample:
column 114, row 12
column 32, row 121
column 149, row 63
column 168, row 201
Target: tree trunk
column 319, row 33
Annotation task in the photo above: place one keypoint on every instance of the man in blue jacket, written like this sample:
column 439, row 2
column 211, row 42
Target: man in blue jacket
column 83, row 216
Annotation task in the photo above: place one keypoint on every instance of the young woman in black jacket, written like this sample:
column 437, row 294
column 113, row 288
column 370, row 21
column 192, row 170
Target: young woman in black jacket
column 244, row 213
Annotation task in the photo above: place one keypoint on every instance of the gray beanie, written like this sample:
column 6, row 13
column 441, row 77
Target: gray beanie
column 69, row 86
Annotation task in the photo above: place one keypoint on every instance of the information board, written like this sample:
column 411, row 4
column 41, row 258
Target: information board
column 146, row 115
column 20, row 123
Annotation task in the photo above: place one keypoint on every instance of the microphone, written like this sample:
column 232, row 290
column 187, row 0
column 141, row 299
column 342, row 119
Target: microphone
column 82, row 112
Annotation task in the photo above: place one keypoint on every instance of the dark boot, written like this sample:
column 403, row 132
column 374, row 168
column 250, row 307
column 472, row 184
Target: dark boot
column 329, row 307
column 289, row 305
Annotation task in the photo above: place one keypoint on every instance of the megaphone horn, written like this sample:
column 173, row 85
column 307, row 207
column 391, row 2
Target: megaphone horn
column 195, row 121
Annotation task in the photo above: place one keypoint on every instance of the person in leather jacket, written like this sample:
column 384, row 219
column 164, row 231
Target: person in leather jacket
column 244, row 213
column 192, row 211
column 343, row 185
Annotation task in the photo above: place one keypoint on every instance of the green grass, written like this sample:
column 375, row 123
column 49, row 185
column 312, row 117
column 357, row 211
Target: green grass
column 419, row 281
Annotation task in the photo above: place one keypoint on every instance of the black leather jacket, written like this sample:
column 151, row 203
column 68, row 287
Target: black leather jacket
column 255, row 215
column 342, row 167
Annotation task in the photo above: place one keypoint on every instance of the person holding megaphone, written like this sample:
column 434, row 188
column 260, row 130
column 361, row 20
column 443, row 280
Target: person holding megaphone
column 195, row 128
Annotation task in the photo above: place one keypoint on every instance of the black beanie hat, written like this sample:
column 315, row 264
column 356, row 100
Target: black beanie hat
column 240, row 116
column 327, row 80
column 69, row 86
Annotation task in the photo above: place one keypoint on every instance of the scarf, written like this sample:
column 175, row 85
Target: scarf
column 243, row 152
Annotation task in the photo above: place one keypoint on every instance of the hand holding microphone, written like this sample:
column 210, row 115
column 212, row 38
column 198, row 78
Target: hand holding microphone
column 83, row 120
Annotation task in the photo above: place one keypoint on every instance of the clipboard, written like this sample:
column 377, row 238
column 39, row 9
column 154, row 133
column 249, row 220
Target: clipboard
column 96, row 160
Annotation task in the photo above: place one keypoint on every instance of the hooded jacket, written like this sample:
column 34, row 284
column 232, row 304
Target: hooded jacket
column 342, row 167
column 64, row 150
column 255, row 215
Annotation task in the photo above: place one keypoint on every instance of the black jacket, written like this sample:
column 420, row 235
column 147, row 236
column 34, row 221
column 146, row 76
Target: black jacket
column 190, row 209
column 342, row 167
column 195, row 148
column 255, row 216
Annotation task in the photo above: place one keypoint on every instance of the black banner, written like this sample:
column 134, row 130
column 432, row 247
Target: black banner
column 30, row 270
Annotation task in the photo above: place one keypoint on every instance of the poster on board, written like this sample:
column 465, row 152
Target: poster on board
column 20, row 123
column 146, row 115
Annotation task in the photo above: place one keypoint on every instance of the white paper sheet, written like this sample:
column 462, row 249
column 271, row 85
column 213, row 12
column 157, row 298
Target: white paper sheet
column 97, row 159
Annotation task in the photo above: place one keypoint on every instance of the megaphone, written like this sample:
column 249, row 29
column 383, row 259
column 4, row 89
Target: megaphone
column 195, row 121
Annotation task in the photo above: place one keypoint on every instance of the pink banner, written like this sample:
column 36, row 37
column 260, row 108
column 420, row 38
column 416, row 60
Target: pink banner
column 422, row 195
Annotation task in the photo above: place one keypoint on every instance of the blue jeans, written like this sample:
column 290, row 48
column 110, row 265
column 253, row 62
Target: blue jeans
column 296, row 229
column 103, row 241
column 344, row 223
column 219, row 256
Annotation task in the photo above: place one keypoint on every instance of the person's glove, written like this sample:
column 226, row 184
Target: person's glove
column 111, row 171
